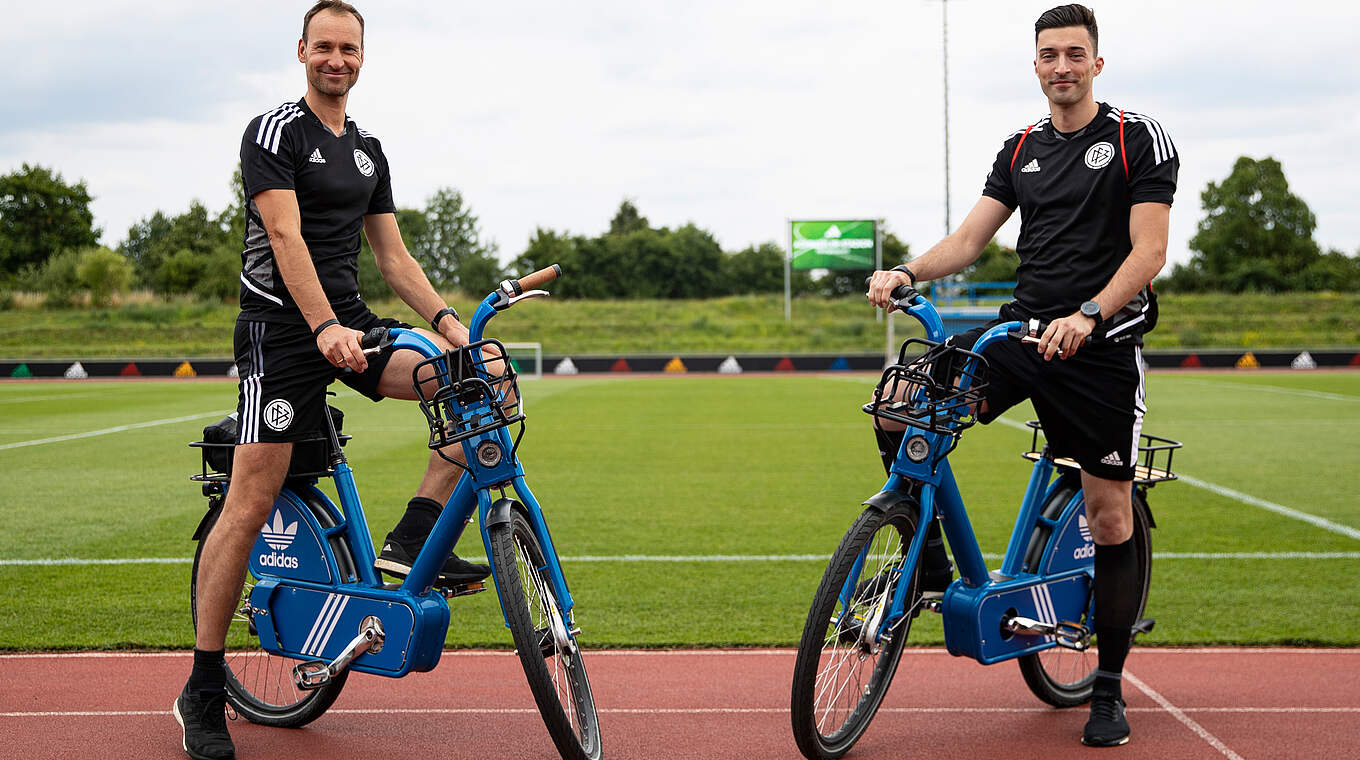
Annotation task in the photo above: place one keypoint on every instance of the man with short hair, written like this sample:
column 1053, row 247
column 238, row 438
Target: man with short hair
column 1094, row 186
column 313, row 181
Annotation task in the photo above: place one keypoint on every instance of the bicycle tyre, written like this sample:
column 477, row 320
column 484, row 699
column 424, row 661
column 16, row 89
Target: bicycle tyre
column 829, row 635
column 1064, row 677
column 562, row 691
column 259, row 684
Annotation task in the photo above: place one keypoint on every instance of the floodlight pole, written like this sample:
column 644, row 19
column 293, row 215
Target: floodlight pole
column 944, row 54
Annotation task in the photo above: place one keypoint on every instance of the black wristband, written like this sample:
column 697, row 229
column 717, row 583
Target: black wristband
column 910, row 274
column 316, row 333
column 438, row 315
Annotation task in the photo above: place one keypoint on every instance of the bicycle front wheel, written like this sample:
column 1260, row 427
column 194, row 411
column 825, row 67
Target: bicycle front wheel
column 1065, row 677
column 842, row 673
column 259, row 684
column 546, row 645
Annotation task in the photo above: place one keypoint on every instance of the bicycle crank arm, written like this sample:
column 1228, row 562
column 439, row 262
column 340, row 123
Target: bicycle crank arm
column 1066, row 634
column 314, row 674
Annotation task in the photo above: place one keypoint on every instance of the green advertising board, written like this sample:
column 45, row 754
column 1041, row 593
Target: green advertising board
column 833, row 244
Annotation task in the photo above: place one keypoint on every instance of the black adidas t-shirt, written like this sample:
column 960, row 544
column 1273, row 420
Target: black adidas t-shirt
column 338, row 180
column 1074, row 199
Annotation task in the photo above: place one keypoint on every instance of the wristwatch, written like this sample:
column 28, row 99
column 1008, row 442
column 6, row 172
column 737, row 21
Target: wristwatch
column 1092, row 309
column 444, row 312
column 910, row 274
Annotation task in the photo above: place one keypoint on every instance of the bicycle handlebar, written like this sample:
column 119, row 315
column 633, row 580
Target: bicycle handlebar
column 530, row 281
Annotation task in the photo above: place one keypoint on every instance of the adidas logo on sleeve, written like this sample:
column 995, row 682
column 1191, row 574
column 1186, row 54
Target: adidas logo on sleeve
column 316, row 157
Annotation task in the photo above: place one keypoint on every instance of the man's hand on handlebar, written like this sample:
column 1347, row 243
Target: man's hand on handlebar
column 453, row 331
column 340, row 346
column 882, row 284
column 1065, row 336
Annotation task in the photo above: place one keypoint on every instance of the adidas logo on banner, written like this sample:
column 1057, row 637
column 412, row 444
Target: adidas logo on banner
column 1032, row 166
column 317, row 158
column 1113, row 458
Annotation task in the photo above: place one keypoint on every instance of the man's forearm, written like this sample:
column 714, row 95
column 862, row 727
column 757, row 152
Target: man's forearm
column 299, row 276
column 411, row 285
column 953, row 254
column 1133, row 275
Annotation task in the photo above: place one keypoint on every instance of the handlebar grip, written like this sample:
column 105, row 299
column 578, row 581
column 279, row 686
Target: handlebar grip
column 541, row 277
column 377, row 339
column 900, row 293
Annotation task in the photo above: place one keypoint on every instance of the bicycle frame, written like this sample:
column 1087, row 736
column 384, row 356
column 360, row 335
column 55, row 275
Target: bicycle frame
column 970, row 600
column 306, row 596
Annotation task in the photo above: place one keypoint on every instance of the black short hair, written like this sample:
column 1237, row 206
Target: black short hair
column 335, row 6
column 1069, row 15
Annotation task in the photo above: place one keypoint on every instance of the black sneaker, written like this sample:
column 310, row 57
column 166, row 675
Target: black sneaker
column 396, row 559
column 205, row 726
column 935, row 580
column 1107, row 726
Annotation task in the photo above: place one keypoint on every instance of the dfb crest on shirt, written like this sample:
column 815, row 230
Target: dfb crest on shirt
column 365, row 163
column 1098, row 156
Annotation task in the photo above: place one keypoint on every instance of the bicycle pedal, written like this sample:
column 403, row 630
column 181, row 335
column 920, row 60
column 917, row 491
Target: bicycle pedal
column 465, row 589
column 312, row 674
column 1143, row 626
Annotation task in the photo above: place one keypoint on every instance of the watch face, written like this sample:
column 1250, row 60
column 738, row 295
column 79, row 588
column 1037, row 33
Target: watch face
column 1091, row 309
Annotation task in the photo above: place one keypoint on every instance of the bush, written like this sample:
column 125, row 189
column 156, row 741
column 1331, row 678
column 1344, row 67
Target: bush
column 103, row 272
column 57, row 278
column 211, row 275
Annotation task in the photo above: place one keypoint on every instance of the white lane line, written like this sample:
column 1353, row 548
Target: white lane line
column 1180, row 715
column 919, row 651
column 1273, row 389
column 695, row 558
column 117, row 429
column 1270, row 506
column 707, row 711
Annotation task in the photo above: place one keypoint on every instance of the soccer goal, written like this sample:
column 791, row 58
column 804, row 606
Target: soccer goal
column 527, row 359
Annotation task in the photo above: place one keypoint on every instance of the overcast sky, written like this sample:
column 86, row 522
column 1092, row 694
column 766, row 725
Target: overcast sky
column 733, row 114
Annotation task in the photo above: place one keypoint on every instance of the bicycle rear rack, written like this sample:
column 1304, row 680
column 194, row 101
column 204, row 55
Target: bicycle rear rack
column 1154, row 456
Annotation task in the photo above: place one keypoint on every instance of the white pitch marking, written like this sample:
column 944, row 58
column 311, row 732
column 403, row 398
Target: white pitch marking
column 1180, row 715
column 1269, row 506
column 106, row 431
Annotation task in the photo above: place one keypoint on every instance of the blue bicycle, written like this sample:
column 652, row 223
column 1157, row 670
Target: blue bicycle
column 312, row 593
column 1037, row 608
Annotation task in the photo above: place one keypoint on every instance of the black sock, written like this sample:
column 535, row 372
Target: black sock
column 934, row 557
column 209, row 675
column 418, row 520
column 889, row 441
column 1116, row 603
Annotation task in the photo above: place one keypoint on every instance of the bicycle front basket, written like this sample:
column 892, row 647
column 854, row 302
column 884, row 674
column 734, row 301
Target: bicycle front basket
column 467, row 391
column 934, row 391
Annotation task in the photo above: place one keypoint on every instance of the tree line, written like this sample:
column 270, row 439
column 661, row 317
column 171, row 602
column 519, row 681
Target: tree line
column 1255, row 235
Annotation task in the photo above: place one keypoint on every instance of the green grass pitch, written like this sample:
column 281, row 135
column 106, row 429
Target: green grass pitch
column 772, row 467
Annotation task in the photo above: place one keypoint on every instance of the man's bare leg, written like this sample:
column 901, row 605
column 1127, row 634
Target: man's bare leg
column 258, row 470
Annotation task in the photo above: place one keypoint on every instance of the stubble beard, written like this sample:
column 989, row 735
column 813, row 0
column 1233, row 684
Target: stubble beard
column 327, row 86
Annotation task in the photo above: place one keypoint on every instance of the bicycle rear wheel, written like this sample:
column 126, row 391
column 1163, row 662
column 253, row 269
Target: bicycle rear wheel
column 839, row 681
column 259, row 684
column 545, row 643
column 1064, row 677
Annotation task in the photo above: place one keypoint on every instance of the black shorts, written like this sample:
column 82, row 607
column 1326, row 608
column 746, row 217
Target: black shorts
column 283, row 377
column 1090, row 405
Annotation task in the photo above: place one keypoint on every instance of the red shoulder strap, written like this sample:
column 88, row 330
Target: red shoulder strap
column 1016, row 154
column 1122, row 155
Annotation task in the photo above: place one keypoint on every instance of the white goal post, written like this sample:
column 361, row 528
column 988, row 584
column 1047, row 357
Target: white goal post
column 520, row 352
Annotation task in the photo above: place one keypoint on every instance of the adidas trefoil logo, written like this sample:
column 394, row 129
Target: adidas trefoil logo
column 1084, row 527
column 1032, row 166
column 317, row 158
column 1113, row 458
column 276, row 535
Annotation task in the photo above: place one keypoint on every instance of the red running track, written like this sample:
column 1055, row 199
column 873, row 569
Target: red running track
column 1192, row 704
